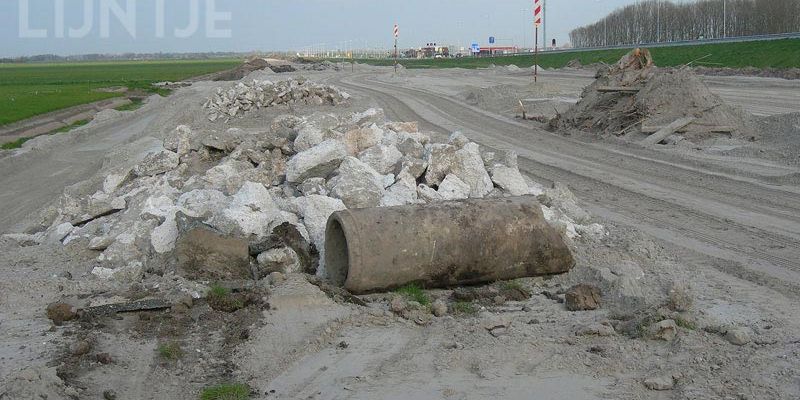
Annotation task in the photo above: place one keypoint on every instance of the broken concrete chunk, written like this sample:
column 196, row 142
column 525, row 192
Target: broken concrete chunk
column 358, row 140
column 381, row 158
column 130, row 273
column 458, row 140
column 403, row 192
column 559, row 196
column 100, row 243
column 157, row 163
column 453, row 188
column 316, row 210
column 319, row 161
column 440, row 158
column 283, row 260
column 112, row 182
column 164, row 236
column 468, row 166
column 427, row 194
column 357, row 184
column 205, row 254
column 510, row 180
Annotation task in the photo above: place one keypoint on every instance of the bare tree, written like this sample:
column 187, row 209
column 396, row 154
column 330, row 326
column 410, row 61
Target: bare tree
column 664, row 21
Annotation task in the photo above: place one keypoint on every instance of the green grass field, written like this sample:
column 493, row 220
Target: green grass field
column 27, row 90
column 783, row 53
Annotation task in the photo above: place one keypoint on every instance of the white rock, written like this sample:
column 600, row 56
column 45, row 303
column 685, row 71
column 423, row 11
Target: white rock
column 255, row 196
column 561, row 198
column 200, row 202
column 157, row 163
column 593, row 231
column 381, row 158
column 100, row 243
column 358, row 140
column 180, row 140
column 318, row 161
column 252, row 211
column 165, row 235
column 370, row 116
column 510, row 180
column 403, row 192
column 427, row 194
column 468, row 167
column 458, row 140
column 453, row 188
column 60, row 232
column 313, row 186
column 283, row 260
column 315, row 211
column 130, row 273
column 307, row 137
column 440, row 158
column 227, row 176
column 357, row 184
column 157, row 207
column 112, row 182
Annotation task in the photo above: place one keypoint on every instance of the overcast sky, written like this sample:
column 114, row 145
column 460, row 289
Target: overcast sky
column 264, row 25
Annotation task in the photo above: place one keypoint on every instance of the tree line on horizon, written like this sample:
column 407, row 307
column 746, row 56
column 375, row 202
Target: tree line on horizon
column 664, row 21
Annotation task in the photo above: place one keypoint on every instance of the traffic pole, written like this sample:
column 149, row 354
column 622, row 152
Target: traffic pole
column 537, row 21
column 396, row 35
column 536, row 55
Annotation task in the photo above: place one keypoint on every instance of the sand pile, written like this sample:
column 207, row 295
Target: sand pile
column 634, row 94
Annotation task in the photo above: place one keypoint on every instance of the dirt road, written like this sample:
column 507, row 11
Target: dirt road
column 740, row 216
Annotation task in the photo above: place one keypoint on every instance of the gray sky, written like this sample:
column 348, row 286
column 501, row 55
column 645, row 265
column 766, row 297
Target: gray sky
column 280, row 24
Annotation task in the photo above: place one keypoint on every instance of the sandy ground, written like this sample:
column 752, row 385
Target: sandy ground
column 726, row 227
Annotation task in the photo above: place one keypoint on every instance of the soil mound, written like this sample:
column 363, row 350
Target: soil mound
column 634, row 94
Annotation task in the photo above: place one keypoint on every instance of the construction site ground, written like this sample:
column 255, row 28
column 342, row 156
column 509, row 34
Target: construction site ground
column 721, row 216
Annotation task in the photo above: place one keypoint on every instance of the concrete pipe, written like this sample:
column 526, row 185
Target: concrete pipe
column 442, row 244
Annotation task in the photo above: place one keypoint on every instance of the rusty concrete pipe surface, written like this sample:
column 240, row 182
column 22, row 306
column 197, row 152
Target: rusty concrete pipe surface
column 442, row 244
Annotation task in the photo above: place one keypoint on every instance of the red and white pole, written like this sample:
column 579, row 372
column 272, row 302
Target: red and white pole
column 396, row 35
column 537, row 21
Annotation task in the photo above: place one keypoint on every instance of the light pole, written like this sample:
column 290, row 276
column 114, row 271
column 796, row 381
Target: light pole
column 524, row 28
column 658, row 22
column 724, row 18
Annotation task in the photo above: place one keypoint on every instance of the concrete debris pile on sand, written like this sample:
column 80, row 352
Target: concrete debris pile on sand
column 243, row 97
column 321, row 66
column 266, row 195
column 634, row 94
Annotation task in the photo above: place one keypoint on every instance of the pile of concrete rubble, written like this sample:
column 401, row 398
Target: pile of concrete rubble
column 634, row 95
column 269, row 193
column 243, row 97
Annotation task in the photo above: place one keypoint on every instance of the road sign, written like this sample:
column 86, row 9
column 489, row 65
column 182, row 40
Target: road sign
column 491, row 39
column 475, row 48
column 537, row 12
column 396, row 31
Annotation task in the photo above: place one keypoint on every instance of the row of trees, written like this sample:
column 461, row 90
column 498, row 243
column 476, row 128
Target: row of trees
column 664, row 21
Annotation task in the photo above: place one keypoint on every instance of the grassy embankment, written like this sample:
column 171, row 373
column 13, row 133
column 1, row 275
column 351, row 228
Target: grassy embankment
column 27, row 90
column 783, row 53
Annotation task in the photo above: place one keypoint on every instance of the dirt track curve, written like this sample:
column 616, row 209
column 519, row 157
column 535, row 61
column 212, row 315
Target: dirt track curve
column 740, row 216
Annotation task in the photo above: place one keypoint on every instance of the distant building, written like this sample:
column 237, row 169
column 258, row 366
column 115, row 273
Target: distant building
column 491, row 51
column 430, row 50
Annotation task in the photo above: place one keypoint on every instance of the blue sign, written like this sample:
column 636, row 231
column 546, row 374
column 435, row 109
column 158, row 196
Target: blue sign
column 476, row 48
column 491, row 39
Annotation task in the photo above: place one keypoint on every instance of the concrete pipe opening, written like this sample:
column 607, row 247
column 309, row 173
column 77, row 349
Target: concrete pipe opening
column 442, row 244
column 337, row 257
